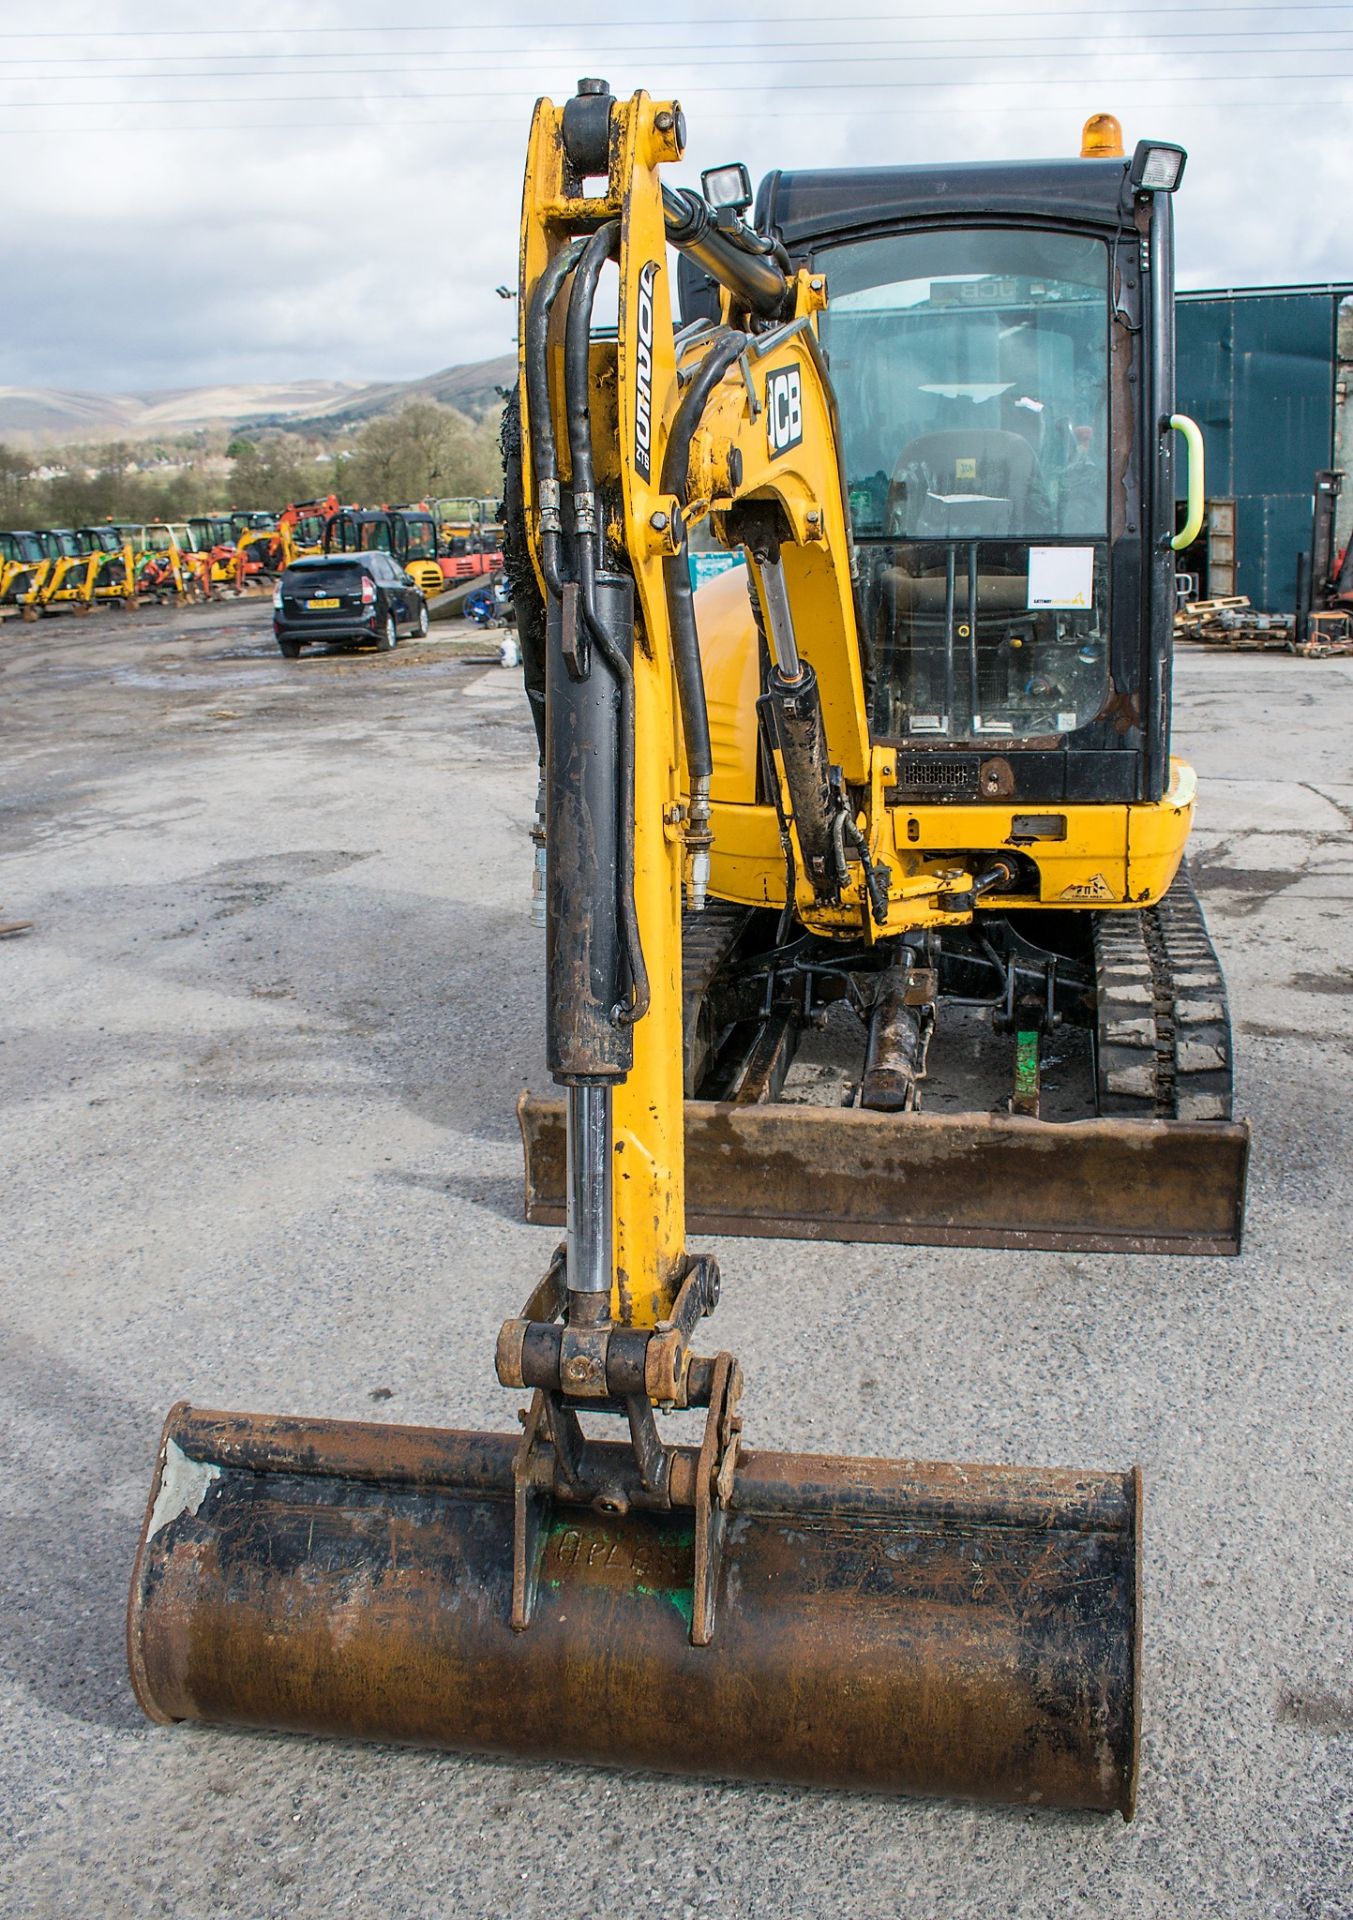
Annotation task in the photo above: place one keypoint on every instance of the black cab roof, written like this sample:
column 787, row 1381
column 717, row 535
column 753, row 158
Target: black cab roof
column 805, row 206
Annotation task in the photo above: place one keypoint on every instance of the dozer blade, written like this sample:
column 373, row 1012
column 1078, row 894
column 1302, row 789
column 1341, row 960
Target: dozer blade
column 967, row 1631
column 968, row 1180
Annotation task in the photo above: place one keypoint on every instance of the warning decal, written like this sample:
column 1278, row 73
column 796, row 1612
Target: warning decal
column 1096, row 889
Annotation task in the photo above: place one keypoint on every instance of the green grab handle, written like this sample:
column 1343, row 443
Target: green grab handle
column 1193, row 440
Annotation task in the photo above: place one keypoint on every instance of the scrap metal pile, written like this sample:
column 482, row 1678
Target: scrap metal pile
column 1232, row 622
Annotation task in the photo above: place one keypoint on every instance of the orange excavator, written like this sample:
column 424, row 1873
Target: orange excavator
column 300, row 529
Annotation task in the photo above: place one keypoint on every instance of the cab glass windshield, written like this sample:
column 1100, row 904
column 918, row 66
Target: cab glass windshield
column 422, row 540
column 971, row 373
column 971, row 370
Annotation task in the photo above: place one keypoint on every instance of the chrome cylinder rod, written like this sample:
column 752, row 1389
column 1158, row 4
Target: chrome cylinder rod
column 588, row 1152
column 779, row 620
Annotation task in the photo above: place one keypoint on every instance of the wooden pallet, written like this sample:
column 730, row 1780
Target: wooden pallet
column 1231, row 621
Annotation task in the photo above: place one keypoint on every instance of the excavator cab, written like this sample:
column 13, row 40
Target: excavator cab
column 101, row 539
column 301, row 525
column 210, row 531
column 168, row 564
column 24, row 565
column 362, row 530
column 261, row 547
column 67, row 578
column 213, row 536
column 71, row 581
column 112, row 576
column 420, row 540
column 407, row 534
column 999, row 343
column 60, row 543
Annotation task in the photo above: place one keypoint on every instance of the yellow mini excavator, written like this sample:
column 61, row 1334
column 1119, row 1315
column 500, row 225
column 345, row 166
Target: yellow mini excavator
column 951, row 953
column 24, row 566
column 906, row 778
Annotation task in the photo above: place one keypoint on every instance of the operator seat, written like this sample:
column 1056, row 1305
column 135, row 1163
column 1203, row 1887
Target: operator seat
column 961, row 484
column 967, row 483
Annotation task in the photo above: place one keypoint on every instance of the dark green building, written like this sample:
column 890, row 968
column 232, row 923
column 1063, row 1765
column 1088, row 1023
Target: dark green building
column 1264, row 372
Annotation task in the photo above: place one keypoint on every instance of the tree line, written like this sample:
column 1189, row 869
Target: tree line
column 422, row 451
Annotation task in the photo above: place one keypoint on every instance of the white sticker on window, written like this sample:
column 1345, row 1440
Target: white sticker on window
column 1061, row 577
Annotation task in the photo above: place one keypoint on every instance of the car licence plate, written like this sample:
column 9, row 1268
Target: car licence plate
column 321, row 603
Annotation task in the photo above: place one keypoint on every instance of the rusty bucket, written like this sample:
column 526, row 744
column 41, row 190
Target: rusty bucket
column 893, row 1625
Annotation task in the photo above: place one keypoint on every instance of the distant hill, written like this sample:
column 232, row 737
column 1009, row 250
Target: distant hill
column 46, row 416
column 471, row 390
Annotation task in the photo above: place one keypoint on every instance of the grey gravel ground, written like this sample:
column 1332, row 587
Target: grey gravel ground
column 259, row 1061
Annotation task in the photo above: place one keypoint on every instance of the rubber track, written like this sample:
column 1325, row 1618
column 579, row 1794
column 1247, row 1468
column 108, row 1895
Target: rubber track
column 1162, row 1028
column 707, row 941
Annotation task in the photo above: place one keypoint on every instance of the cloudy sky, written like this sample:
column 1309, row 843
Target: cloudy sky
column 309, row 194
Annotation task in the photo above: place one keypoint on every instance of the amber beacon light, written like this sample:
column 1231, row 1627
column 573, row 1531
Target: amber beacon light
column 1102, row 138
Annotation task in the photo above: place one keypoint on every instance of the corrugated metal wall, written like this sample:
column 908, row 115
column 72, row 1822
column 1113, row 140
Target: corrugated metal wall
column 1257, row 371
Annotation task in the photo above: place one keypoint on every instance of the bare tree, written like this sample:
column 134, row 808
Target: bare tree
column 267, row 477
column 423, row 452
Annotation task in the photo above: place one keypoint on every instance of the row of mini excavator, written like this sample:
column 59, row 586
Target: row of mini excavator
column 75, row 569
column 865, row 918
column 65, row 568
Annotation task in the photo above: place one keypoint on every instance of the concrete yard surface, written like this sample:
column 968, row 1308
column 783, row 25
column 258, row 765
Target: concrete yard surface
column 260, row 1055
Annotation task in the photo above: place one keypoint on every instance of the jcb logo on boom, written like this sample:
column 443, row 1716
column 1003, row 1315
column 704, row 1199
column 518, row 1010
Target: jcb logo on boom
column 643, row 373
column 784, row 409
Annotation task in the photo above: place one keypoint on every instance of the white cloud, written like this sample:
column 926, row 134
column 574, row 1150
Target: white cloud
column 346, row 211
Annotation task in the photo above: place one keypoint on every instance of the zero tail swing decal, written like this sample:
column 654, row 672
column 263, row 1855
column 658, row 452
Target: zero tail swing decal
column 784, row 409
column 643, row 373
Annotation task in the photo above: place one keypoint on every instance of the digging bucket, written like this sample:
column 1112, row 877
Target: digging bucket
column 890, row 1625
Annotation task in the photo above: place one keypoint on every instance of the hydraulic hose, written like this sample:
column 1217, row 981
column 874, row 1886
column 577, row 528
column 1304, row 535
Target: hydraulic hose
column 753, row 278
column 676, row 570
column 577, row 349
column 544, row 456
column 676, row 577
